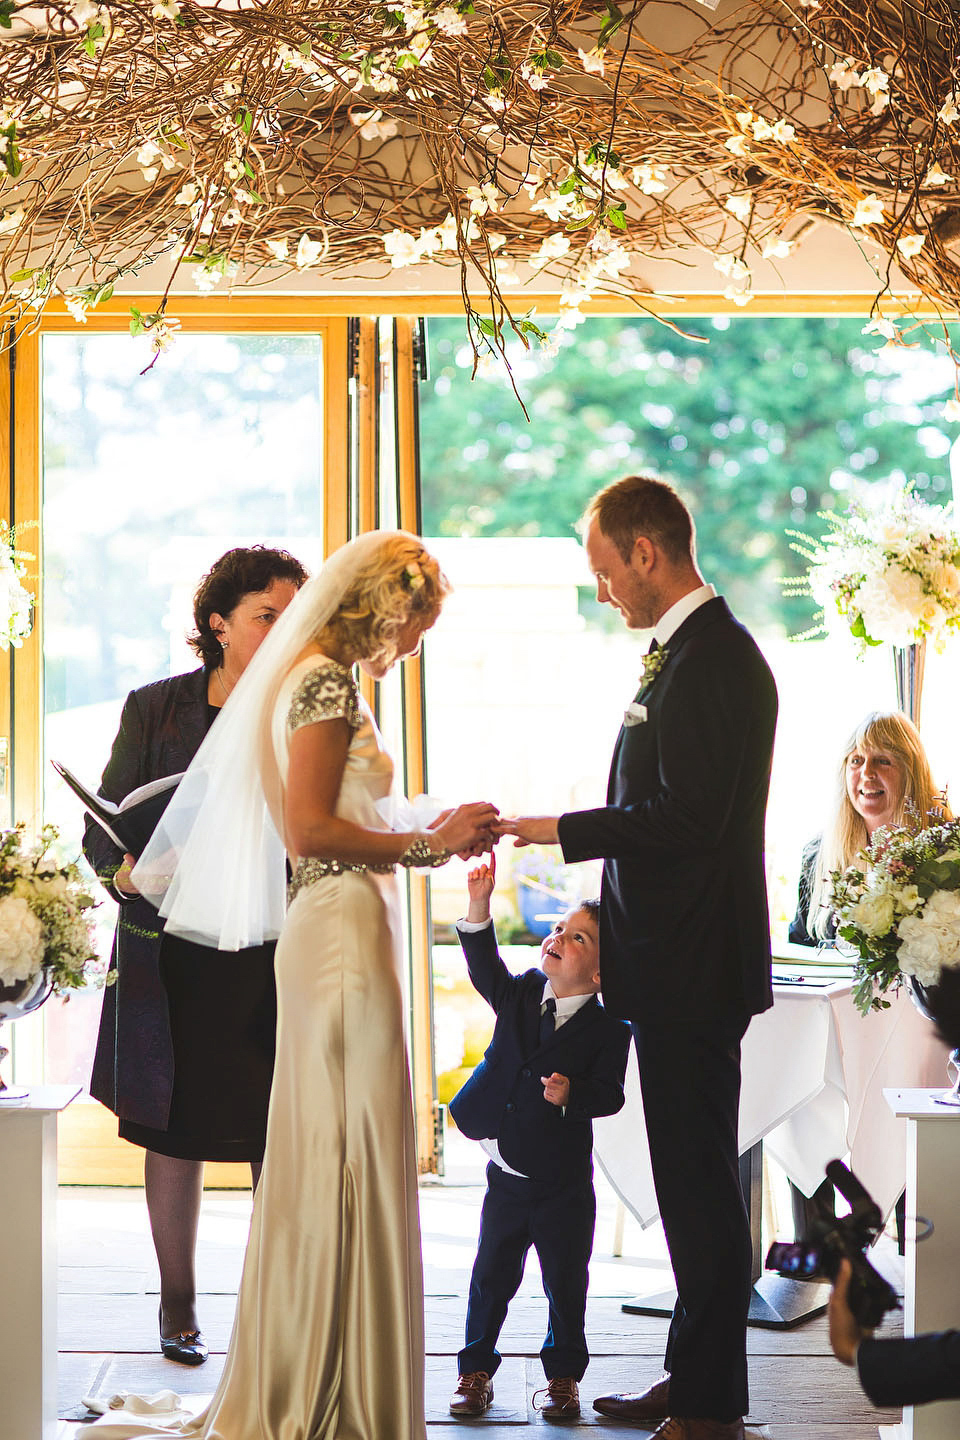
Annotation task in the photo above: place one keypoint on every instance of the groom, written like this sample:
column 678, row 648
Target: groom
column 684, row 933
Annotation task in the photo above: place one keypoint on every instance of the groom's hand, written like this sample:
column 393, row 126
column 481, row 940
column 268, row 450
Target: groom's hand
column 530, row 829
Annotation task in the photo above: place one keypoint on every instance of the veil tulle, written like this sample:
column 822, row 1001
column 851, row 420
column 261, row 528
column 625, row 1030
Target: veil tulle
column 215, row 865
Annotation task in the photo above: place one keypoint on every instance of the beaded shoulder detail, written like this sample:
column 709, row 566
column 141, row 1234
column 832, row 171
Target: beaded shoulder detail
column 326, row 692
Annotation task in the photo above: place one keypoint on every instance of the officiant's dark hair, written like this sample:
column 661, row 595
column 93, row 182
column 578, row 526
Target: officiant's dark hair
column 243, row 571
column 643, row 505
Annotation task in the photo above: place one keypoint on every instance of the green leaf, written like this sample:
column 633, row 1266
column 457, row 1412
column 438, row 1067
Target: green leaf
column 245, row 121
column 553, row 58
column 616, row 215
column 249, row 171
column 137, row 326
column 103, row 294
column 12, row 160
column 571, row 183
column 21, row 275
column 7, row 9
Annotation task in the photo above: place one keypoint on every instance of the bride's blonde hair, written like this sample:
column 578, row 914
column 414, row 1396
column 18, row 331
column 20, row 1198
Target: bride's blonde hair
column 846, row 835
column 400, row 581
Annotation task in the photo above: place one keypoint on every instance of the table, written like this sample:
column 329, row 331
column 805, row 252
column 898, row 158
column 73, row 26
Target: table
column 932, row 1296
column 28, row 1261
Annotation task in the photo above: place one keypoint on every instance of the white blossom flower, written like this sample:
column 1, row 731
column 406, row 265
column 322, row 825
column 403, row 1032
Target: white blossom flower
column 495, row 100
column 935, row 177
column 279, row 249
column 372, row 125
column 844, row 74
column 650, row 179
column 784, row 133
column 880, row 325
column 737, row 145
column 231, row 218
column 740, row 205
column 76, row 307
column 550, row 249
column 165, row 10
column 614, row 261
column 809, row 4
column 875, row 81
column 591, row 60
column 84, row 12
column 869, row 211
column 553, row 205
column 187, row 194
column 447, row 231
column 483, row 198
column 536, row 78
column 450, row 22
column 496, row 240
column 948, row 111
column 776, row 248
column 402, row 248
column 737, row 295
column 745, row 119
column 732, row 267
column 382, row 82
column 951, row 410
column 429, row 241
column 910, row 245
column 148, row 154
column 234, row 168
column 309, row 252
column 762, row 129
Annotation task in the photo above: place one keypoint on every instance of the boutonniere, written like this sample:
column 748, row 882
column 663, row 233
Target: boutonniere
column 635, row 714
column 652, row 665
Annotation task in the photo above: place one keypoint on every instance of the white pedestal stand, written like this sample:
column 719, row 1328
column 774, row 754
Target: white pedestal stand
column 932, row 1292
column 28, row 1263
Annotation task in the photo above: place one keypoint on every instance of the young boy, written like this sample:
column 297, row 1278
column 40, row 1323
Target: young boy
column 556, row 1060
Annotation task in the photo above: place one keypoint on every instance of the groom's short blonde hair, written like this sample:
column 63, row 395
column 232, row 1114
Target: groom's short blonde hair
column 643, row 505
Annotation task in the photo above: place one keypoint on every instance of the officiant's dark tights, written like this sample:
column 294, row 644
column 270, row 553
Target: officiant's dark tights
column 174, row 1190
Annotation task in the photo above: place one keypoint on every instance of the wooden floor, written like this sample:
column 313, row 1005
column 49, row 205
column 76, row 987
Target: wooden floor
column 108, row 1309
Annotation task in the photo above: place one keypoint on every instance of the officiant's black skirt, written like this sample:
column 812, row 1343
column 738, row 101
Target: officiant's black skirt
column 223, row 1018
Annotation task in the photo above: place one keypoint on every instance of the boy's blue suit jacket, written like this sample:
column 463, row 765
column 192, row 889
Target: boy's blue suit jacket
column 503, row 1099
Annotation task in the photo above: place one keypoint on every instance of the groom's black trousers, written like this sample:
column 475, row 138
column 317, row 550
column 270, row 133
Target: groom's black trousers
column 690, row 1080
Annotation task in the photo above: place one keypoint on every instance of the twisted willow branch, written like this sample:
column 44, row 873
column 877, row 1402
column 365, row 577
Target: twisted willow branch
column 267, row 135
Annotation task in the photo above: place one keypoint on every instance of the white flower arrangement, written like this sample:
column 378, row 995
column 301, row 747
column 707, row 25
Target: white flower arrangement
column 899, row 906
column 891, row 567
column 44, row 907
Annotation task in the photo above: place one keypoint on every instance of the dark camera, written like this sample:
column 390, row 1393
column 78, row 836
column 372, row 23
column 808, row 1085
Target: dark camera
column 832, row 1238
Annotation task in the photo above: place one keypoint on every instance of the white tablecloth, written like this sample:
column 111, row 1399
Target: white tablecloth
column 814, row 1071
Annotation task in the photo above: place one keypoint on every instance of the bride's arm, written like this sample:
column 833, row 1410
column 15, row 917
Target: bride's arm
column 318, row 756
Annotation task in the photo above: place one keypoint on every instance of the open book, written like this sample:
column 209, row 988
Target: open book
column 131, row 823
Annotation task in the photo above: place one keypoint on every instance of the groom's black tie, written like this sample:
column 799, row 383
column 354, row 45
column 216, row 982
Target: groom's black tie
column 547, row 1022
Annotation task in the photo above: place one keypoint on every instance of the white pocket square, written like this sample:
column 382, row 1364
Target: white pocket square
column 634, row 714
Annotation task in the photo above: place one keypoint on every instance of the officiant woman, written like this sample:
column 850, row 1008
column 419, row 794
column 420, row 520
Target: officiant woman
column 884, row 779
column 186, row 1045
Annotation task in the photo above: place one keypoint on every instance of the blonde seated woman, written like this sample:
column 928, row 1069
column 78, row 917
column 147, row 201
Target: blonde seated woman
column 884, row 779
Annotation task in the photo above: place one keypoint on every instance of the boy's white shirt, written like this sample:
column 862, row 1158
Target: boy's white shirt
column 567, row 1007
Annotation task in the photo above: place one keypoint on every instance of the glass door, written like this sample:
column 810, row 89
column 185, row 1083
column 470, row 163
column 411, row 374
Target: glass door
column 144, row 480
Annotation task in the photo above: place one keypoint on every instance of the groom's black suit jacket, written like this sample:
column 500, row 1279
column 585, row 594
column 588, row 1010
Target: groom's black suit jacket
column 684, row 931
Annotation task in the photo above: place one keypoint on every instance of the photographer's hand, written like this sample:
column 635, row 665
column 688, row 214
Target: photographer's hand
column 845, row 1333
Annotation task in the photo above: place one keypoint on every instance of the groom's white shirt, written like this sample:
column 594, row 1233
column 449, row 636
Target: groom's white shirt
column 671, row 620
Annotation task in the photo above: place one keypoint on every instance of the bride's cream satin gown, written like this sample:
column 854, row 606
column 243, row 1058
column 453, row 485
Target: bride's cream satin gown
column 327, row 1342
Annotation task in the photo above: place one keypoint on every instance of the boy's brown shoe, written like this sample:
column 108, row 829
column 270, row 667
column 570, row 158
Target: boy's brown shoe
column 563, row 1399
column 473, row 1395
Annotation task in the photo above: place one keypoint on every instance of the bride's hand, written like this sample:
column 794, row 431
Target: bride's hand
column 467, row 830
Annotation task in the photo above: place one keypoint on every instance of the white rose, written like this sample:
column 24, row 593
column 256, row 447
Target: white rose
column 946, row 581
column 21, row 940
column 890, row 603
column 873, row 914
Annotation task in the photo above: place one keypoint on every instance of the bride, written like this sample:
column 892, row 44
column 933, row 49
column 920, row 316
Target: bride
column 328, row 1336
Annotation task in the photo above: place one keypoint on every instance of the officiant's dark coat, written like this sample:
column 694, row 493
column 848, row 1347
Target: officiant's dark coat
column 685, row 956
column 161, row 729
column 197, row 1086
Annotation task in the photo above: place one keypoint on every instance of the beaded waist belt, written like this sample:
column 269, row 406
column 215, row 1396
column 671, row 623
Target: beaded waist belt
column 308, row 872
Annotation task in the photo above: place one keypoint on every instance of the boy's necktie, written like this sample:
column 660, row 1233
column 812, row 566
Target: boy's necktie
column 547, row 1022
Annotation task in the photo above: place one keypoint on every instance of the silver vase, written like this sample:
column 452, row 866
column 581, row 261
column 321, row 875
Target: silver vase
column 908, row 663
column 16, row 1000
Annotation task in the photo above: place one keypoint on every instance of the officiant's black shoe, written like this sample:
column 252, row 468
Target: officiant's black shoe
column 649, row 1405
column 473, row 1395
column 187, row 1347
